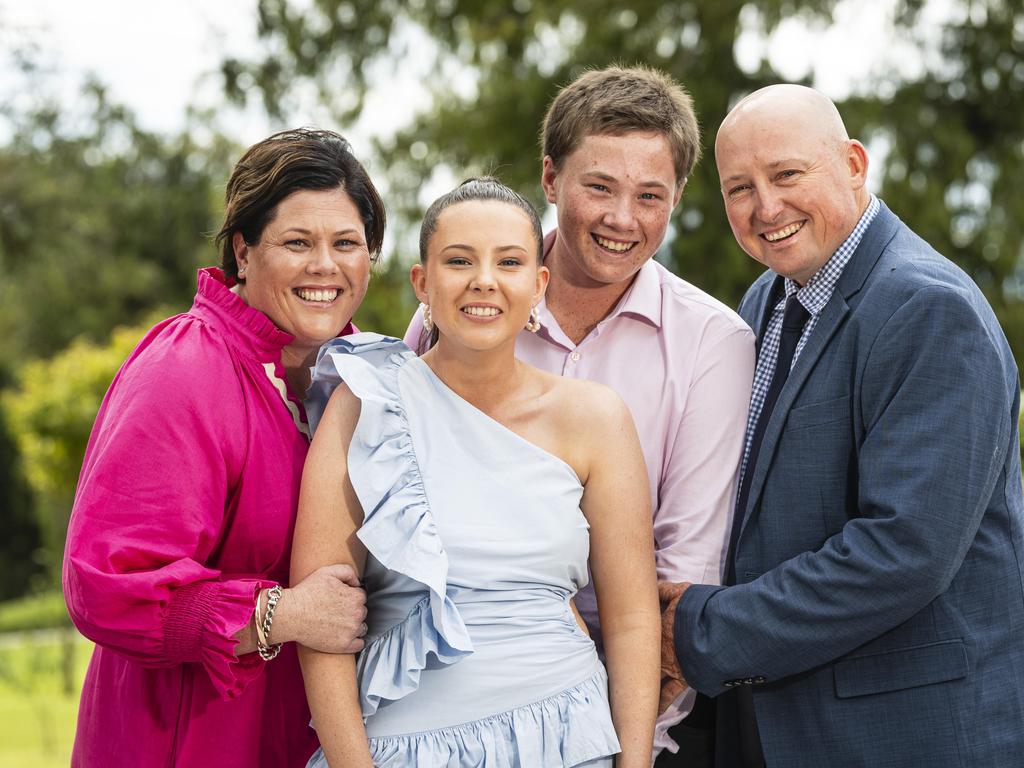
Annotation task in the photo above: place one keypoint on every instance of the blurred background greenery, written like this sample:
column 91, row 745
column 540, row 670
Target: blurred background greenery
column 103, row 221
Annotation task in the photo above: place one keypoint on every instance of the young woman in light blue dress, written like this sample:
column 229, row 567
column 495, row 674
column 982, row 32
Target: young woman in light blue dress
column 471, row 491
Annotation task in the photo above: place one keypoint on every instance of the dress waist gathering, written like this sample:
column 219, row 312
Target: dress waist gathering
column 527, row 647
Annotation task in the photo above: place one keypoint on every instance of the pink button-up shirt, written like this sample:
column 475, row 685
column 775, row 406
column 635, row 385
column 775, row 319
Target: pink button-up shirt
column 683, row 362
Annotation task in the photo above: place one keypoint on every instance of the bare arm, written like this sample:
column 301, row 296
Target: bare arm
column 329, row 515
column 616, row 502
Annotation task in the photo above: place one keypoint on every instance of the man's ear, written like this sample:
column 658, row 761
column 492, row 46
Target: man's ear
column 679, row 193
column 857, row 163
column 548, row 175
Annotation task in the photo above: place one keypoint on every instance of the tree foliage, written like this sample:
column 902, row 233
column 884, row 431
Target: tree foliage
column 389, row 302
column 953, row 131
column 19, row 561
column 100, row 221
column 956, row 150
column 51, row 412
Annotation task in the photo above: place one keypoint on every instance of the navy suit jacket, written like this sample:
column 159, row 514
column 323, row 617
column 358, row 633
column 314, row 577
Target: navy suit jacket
column 878, row 614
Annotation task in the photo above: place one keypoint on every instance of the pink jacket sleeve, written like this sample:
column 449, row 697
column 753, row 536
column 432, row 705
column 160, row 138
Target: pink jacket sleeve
column 166, row 449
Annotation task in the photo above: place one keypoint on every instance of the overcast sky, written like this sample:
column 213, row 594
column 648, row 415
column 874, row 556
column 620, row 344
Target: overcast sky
column 157, row 55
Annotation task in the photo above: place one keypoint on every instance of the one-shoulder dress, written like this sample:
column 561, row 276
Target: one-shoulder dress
column 476, row 544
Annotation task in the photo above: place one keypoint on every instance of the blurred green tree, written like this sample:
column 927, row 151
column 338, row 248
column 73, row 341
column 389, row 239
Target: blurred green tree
column 953, row 133
column 100, row 221
column 19, row 561
column 389, row 302
column 51, row 412
column 955, row 143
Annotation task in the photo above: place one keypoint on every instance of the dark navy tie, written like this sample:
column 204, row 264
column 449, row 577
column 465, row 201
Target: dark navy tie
column 793, row 321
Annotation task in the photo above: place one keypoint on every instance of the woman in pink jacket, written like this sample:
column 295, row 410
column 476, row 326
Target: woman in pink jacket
column 178, row 549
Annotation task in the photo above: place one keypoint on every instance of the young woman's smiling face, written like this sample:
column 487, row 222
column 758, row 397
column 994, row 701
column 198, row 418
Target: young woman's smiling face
column 482, row 274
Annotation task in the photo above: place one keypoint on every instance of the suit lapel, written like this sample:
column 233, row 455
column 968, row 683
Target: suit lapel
column 756, row 309
column 830, row 320
column 832, row 317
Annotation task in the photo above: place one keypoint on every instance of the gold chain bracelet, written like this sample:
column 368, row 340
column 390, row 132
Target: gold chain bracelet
column 267, row 649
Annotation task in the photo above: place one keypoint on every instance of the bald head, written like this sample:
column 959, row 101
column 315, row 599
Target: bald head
column 792, row 179
column 801, row 109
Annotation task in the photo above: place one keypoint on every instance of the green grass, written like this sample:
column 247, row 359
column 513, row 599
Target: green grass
column 37, row 717
column 41, row 611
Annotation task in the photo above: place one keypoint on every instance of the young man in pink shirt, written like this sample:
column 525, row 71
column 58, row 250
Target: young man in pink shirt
column 618, row 145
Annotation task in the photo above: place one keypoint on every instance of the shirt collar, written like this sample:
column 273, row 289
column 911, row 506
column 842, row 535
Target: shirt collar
column 641, row 300
column 218, row 303
column 817, row 291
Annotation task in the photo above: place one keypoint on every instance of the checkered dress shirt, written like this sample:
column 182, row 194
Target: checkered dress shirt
column 814, row 295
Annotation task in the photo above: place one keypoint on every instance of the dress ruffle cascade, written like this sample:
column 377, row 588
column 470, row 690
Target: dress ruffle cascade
column 398, row 528
column 571, row 727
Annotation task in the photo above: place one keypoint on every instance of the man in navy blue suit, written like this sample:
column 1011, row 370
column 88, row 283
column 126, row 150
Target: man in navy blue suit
column 874, row 607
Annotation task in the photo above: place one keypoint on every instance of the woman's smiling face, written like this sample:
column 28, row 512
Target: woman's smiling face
column 482, row 274
column 309, row 271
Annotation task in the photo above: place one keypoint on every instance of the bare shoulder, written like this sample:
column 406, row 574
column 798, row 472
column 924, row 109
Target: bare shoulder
column 588, row 408
column 340, row 415
column 584, row 423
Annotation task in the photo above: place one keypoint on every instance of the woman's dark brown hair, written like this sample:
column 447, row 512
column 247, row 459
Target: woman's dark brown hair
column 288, row 162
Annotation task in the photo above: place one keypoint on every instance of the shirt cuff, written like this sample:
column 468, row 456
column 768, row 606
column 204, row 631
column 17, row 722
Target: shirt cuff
column 200, row 626
column 675, row 714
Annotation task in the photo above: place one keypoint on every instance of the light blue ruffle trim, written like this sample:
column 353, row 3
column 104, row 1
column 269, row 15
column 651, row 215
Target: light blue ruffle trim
column 398, row 528
column 570, row 728
column 566, row 729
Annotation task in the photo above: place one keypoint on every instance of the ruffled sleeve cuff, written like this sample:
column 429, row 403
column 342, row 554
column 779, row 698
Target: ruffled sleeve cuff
column 398, row 526
column 200, row 626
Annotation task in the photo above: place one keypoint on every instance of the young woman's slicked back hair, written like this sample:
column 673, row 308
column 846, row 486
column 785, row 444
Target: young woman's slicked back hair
column 479, row 188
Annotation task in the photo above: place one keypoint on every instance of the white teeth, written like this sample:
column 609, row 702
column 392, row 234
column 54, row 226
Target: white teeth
column 611, row 245
column 482, row 311
column 317, row 294
column 792, row 229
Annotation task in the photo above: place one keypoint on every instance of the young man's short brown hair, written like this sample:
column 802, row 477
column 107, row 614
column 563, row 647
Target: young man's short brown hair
column 615, row 101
